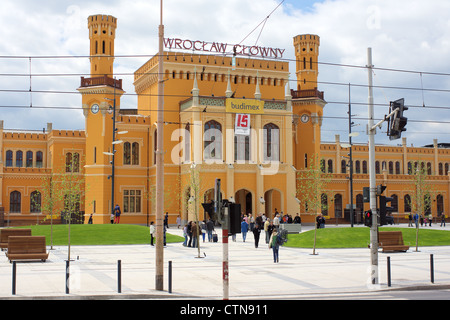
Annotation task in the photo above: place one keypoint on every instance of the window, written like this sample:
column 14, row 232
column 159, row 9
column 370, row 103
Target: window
column 132, row 201
column 391, row 167
column 324, row 204
column 72, row 162
column 271, row 142
column 358, row 166
column 364, row 167
column 19, row 159
column 241, row 147
column 213, row 140
column 126, row 153
column 135, row 153
column 397, row 167
column 330, row 166
column 155, row 146
column 407, row 203
column 39, row 159
column 9, row 158
column 377, row 167
column 35, row 202
column 29, row 160
column 14, row 202
column 343, row 166
column 394, row 203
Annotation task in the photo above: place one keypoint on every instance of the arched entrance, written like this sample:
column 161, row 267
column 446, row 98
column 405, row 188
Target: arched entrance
column 245, row 199
column 273, row 201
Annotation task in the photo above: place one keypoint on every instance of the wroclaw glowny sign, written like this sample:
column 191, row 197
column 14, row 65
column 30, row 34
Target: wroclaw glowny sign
column 217, row 47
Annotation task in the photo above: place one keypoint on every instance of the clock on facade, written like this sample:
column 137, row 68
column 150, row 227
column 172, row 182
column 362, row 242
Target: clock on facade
column 94, row 108
column 305, row 118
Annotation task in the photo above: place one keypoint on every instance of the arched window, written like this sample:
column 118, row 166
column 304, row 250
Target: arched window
column 35, row 202
column 29, row 159
column 212, row 140
column 14, row 202
column 439, row 204
column 324, row 204
column 429, row 168
column 391, row 167
column 69, row 162
column 19, row 159
column 377, row 167
column 338, row 205
column 407, row 203
column 72, row 162
column 441, row 169
column 155, row 146
column 364, row 167
column 330, row 166
column 397, row 167
column 9, row 158
column 271, row 137
column 135, row 153
column 343, row 166
column 394, row 203
column 126, row 153
column 39, row 159
column 358, row 166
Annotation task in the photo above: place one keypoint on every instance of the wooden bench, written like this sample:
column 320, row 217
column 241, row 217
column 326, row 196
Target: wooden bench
column 27, row 248
column 391, row 241
column 7, row 232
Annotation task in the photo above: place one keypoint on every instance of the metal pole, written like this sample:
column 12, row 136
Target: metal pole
column 14, row 278
column 373, row 199
column 113, row 149
column 67, row 276
column 389, row 270
column 225, row 271
column 159, row 251
column 350, row 155
column 432, row 268
column 170, row 276
column 119, row 276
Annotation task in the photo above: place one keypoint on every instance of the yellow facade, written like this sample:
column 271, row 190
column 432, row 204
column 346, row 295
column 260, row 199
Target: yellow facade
column 258, row 170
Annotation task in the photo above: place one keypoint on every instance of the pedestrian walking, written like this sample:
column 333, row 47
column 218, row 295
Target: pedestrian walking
column 244, row 229
column 210, row 229
column 117, row 213
column 152, row 232
column 410, row 218
column 178, row 222
column 185, row 235
column 442, row 219
column 256, row 233
column 274, row 244
column 166, row 220
column 189, row 233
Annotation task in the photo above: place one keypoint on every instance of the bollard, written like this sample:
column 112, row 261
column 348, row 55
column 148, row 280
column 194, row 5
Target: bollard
column 431, row 268
column 14, row 278
column 67, row 276
column 389, row 271
column 170, row 276
column 119, row 276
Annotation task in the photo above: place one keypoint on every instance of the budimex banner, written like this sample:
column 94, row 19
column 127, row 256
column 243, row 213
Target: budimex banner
column 245, row 106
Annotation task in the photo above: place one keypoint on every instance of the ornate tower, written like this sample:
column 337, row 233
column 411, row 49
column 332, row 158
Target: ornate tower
column 307, row 54
column 100, row 93
column 308, row 102
column 102, row 32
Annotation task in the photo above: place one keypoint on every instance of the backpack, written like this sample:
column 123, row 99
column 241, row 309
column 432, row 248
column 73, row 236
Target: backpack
column 282, row 236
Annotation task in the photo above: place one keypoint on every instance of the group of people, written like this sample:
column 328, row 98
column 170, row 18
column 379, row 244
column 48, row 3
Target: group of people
column 192, row 232
column 273, row 237
column 421, row 219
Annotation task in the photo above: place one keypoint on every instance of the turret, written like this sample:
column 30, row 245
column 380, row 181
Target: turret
column 306, row 55
column 102, row 32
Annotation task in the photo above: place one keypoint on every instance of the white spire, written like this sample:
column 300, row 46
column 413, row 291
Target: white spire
column 257, row 91
column 228, row 93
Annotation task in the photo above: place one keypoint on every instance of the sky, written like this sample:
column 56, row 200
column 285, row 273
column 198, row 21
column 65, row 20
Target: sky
column 410, row 43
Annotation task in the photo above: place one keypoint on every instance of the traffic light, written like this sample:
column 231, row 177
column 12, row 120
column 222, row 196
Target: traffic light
column 209, row 208
column 368, row 218
column 384, row 209
column 397, row 122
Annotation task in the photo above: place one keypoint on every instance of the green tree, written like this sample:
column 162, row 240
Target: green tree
column 311, row 186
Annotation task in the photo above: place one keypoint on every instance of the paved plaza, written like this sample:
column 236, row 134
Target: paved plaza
column 253, row 274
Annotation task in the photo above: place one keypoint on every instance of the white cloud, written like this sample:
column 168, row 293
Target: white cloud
column 410, row 35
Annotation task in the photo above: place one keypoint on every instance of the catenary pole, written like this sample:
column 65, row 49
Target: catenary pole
column 159, row 250
column 372, row 177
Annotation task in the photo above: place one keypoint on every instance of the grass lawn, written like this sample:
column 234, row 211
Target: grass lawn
column 98, row 234
column 360, row 237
